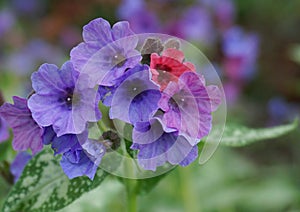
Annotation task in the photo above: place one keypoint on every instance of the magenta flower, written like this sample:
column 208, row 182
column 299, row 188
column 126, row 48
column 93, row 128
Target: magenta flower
column 62, row 99
column 4, row 132
column 27, row 133
column 188, row 105
column 106, row 52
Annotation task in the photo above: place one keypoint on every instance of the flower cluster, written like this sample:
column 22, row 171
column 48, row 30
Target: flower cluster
column 156, row 91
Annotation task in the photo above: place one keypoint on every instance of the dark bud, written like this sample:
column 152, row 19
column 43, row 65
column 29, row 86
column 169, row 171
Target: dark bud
column 151, row 45
column 172, row 44
column 111, row 140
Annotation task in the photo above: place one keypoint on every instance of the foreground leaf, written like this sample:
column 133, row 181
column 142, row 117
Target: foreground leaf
column 236, row 136
column 44, row 187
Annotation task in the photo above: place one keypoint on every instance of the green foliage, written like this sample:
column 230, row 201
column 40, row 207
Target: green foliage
column 237, row 136
column 44, row 187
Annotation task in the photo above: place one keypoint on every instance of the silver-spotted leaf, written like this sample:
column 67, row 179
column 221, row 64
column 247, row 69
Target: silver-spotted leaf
column 236, row 136
column 44, row 187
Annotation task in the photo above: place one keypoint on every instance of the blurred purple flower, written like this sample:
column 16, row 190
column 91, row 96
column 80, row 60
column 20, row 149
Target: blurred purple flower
column 156, row 147
column 106, row 52
column 232, row 92
column 28, row 7
column 241, row 51
column 7, row 20
column 129, row 7
column 27, row 133
column 4, row 132
column 280, row 110
column 18, row 165
column 146, row 23
column 195, row 24
column 62, row 99
column 188, row 105
column 223, row 10
column 29, row 57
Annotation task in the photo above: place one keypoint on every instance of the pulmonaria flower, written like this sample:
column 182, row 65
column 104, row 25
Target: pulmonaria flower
column 135, row 100
column 80, row 155
column 240, row 50
column 19, row 163
column 107, row 92
column 106, row 52
column 188, row 105
column 27, row 133
column 76, row 163
column 156, row 147
column 4, row 132
column 168, row 67
column 62, row 99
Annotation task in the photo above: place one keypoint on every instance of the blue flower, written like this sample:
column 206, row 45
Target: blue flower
column 80, row 155
column 156, row 147
column 63, row 99
column 135, row 100
column 106, row 52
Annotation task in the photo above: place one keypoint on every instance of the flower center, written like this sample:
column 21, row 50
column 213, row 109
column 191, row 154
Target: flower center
column 119, row 60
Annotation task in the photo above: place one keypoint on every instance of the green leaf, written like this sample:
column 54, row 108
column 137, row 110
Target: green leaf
column 44, row 187
column 236, row 136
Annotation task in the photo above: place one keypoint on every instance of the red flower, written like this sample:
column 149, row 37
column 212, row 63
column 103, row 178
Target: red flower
column 168, row 67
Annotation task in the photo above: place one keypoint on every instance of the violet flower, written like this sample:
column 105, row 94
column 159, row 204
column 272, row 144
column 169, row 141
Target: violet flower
column 135, row 100
column 4, row 132
column 62, row 99
column 27, row 133
column 156, row 147
column 106, row 52
column 18, row 165
column 188, row 105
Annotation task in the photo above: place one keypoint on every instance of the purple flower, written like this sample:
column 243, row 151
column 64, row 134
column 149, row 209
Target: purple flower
column 19, row 163
column 240, row 50
column 62, row 99
column 135, row 100
column 4, row 132
column 188, row 105
column 7, row 20
column 60, row 144
column 195, row 24
column 80, row 155
column 107, row 92
column 128, row 7
column 156, row 147
column 33, row 54
column 27, row 133
column 146, row 23
column 78, row 161
column 106, row 52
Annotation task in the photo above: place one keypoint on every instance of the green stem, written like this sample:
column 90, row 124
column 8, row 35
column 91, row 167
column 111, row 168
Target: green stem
column 131, row 196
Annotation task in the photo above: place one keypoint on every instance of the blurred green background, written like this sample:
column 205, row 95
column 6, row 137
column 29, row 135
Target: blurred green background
column 259, row 64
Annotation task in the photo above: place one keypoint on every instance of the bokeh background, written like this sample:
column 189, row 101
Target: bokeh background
column 255, row 47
